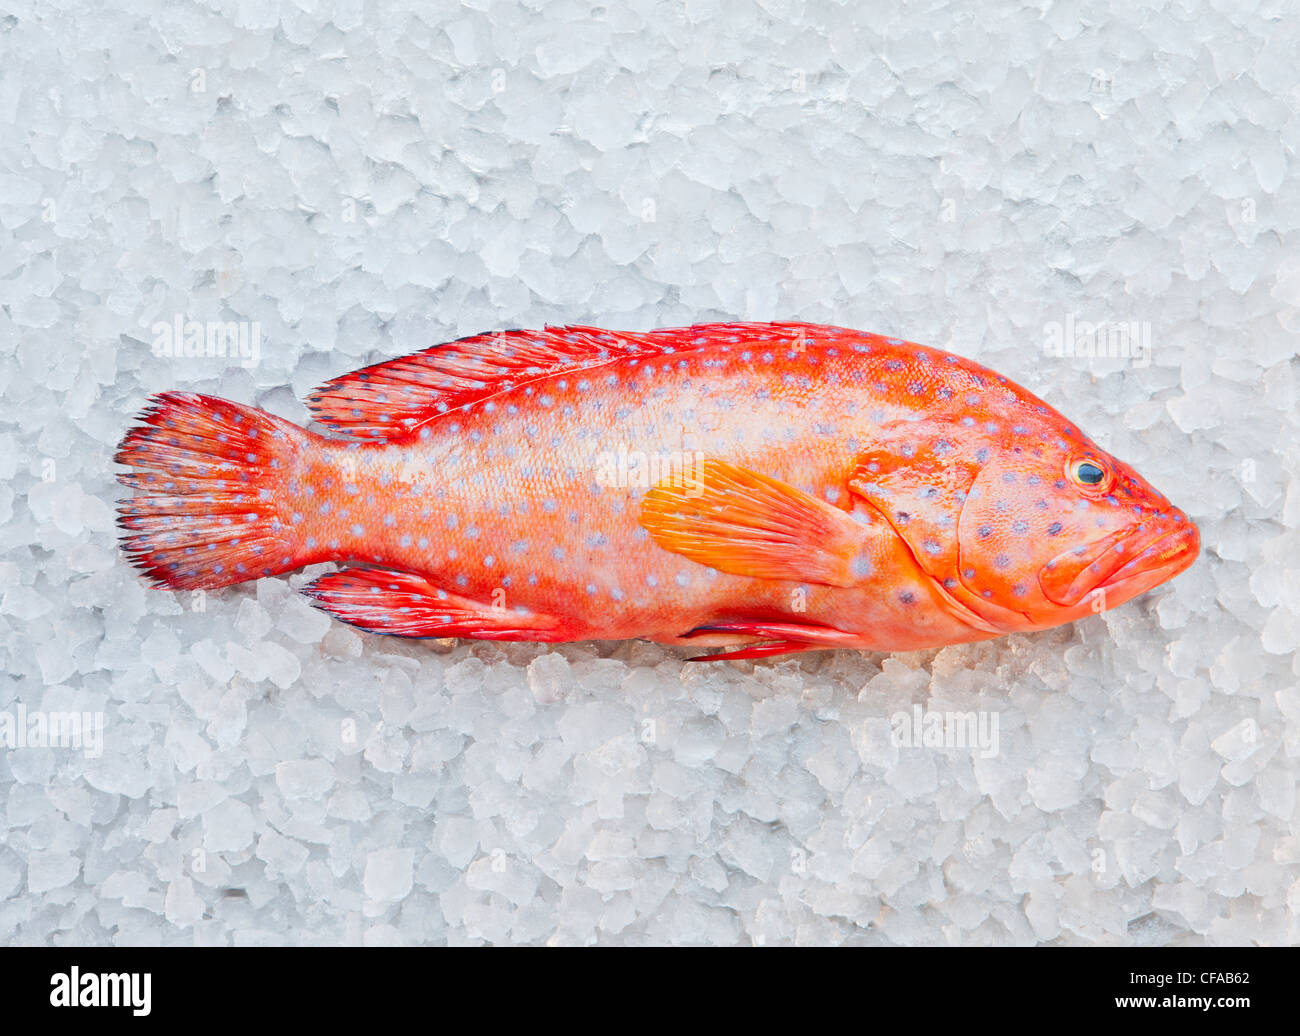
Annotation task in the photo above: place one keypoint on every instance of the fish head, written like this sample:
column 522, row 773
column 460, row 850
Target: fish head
column 1062, row 529
column 1024, row 523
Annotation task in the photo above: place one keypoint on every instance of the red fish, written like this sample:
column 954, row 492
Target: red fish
column 773, row 487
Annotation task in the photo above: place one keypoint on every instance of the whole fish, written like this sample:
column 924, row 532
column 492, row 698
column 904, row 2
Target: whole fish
column 772, row 487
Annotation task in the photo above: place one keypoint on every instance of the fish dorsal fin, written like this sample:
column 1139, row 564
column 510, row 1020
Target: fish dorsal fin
column 395, row 398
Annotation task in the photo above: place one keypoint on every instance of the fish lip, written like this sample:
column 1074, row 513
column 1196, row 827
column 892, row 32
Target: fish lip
column 1102, row 567
column 1176, row 549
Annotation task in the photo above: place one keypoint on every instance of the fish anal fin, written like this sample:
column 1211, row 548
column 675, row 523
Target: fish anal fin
column 780, row 647
column 747, row 524
column 402, row 604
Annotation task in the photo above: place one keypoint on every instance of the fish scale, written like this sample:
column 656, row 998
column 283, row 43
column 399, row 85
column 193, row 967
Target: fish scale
column 781, row 487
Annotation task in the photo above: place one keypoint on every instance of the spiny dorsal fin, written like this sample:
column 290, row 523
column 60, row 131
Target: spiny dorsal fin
column 395, row 398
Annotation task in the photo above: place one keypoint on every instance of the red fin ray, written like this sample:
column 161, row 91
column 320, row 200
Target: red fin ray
column 395, row 398
column 780, row 647
column 402, row 604
column 206, row 477
column 744, row 523
column 783, row 637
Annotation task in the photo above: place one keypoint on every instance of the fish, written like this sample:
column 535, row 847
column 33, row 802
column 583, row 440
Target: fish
column 769, row 488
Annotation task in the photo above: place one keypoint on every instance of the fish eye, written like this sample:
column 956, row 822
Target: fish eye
column 1087, row 473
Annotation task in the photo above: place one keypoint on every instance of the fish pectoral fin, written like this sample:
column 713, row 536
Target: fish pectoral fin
column 401, row 604
column 782, row 638
column 747, row 524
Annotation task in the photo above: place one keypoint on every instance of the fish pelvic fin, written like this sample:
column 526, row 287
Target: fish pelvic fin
column 782, row 638
column 779, row 647
column 207, row 475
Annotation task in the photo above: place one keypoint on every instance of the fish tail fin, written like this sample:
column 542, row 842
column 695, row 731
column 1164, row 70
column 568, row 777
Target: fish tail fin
column 211, row 505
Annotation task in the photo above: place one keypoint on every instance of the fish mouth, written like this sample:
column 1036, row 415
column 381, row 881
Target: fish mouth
column 1124, row 564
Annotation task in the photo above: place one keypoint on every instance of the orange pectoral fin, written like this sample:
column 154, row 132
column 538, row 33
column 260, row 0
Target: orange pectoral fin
column 746, row 524
column 400, row 604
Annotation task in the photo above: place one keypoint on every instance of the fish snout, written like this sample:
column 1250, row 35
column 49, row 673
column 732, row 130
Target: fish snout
column 1164, row 551
column 1126, row 563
